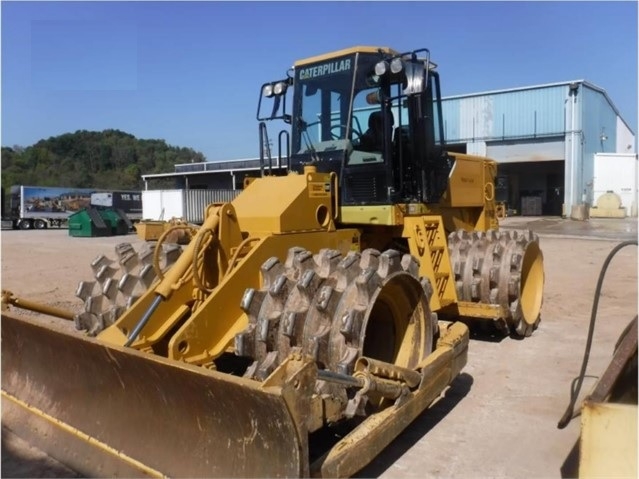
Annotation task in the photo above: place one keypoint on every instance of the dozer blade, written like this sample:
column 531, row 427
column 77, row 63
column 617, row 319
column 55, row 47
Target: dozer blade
column 112, row 411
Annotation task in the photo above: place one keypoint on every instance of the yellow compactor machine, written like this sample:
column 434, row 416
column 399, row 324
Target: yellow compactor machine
column 308, row 321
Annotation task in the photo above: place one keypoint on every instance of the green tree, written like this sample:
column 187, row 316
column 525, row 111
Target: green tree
column 110, row 159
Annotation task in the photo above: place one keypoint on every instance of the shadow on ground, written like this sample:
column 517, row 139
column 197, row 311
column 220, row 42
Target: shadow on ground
column 21, row 460
column 425, row 422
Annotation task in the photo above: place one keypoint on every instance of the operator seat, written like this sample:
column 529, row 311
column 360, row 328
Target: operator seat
column 373, row 138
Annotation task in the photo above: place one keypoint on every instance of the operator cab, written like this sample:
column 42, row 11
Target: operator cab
column 372, row 116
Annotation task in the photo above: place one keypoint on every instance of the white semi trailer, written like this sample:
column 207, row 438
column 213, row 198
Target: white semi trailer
column 40, row 207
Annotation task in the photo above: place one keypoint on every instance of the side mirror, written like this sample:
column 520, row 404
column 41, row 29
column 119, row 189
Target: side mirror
column 415, row 78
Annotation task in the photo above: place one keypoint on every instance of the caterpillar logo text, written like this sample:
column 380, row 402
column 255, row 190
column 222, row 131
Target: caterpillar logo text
column 325, row 69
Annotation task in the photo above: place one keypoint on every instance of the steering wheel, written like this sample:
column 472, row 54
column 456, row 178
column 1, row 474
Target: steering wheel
column 338, row 136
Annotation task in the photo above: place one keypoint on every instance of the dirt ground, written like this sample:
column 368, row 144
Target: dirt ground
column 498, row 419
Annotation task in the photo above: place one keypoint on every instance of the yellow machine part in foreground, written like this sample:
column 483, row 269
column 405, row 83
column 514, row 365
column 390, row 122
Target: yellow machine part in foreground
column 120, row 412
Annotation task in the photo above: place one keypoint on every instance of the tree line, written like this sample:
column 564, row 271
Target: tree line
column 110, row 159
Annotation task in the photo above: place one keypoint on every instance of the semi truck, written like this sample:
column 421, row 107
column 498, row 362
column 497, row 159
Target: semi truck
column 40, row 207
column 129, row 202
column 6, row 220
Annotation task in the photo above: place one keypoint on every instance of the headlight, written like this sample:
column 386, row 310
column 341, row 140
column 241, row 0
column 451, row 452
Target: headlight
column 267, row 90
column 396, row 65
column 279, row 88
column 381, row 68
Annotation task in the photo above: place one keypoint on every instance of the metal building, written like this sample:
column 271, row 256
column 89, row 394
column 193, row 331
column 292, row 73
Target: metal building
column 545, row 138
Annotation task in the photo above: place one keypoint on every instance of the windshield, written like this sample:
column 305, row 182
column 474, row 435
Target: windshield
column 322, row 103
column 320, row 116
column 323, row 108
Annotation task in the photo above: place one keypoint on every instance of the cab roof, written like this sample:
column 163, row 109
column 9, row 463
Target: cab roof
column 346, row 51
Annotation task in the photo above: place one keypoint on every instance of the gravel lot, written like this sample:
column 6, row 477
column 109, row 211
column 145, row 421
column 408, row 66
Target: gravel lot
column 498, row 419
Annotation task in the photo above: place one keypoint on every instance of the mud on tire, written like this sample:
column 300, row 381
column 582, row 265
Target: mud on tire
column 118, row 283
column 502, row 268
column 336, row 308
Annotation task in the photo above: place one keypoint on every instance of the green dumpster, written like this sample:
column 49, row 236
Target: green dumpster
column 88, row 223
column 114, row 220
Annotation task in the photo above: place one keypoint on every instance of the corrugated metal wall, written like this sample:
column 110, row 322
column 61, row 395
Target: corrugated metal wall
column 189, row 205
column 533, row 113
column 625, row 138
column 196, row 201
column 599, row 126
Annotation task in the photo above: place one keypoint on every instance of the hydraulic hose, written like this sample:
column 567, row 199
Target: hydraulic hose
column 158, row 248
column 574, row 391
column 198, row 274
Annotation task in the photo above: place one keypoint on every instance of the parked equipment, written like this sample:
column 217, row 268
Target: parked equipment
column 311, row 318
column 174, row 231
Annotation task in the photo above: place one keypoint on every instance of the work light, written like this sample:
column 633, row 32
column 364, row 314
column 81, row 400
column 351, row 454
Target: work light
column 396, row 65
column 381, row 68
column 279, row 88
column 267, row 91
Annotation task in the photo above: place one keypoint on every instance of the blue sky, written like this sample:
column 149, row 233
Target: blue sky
column 190, row 72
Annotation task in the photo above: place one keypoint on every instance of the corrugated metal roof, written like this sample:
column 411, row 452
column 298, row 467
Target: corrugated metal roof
column 220, row 162
column 208, row 167
column 514, row 89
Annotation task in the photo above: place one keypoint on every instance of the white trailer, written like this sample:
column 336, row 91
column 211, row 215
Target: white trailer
column 617, row 173
column 39, row 207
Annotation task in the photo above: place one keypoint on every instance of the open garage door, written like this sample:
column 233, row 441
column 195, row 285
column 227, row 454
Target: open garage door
column 532, row 189
column 531, row 175
column 527, row 151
